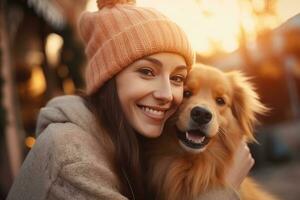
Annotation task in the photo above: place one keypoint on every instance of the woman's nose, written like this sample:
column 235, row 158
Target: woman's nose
column 164, row 91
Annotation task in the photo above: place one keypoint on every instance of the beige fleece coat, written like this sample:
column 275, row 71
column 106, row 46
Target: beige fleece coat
column 70, row 159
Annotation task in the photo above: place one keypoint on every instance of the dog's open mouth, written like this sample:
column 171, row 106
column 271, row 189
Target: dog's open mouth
column 195, row 139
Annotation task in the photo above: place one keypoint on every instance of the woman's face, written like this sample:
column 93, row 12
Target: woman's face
column 150, row 90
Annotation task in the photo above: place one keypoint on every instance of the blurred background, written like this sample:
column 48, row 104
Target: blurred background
column 42, row 56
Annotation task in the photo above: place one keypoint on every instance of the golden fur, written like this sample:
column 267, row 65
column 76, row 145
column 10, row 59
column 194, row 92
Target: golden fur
column 174, row 172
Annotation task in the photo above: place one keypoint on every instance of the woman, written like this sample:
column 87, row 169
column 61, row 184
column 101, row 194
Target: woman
column 88, row 148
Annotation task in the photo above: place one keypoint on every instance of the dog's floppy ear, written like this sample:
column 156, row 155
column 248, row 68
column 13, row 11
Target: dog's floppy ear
column 245, row 102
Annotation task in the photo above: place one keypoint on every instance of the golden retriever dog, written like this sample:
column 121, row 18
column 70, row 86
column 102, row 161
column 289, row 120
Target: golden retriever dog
column 218, row 111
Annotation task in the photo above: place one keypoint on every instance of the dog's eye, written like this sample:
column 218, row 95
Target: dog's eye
column 187, row 94
column 220, row 101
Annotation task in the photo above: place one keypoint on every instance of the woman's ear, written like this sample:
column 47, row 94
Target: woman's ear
column 245, row 103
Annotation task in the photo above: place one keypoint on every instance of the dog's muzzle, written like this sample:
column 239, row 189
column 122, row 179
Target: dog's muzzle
column 195, row 136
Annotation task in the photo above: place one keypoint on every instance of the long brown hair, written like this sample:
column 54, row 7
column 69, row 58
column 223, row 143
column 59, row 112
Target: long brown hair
column 106, row 107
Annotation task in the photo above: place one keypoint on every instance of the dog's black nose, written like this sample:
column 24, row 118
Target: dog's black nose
column 200, row 115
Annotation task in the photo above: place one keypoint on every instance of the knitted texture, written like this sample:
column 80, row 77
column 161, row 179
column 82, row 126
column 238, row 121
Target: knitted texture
column 117, row 35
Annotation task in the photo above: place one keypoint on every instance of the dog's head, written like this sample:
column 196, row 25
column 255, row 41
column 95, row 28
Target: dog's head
column 216, row 106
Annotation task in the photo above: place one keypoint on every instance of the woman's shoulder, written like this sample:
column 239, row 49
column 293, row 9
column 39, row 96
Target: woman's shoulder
column 69, row 129
column 64, row 109
column 69, row 132
column 66, row 155
column 77, row 158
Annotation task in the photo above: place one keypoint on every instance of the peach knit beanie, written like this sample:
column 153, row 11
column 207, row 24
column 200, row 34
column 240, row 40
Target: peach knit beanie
column 120, row 32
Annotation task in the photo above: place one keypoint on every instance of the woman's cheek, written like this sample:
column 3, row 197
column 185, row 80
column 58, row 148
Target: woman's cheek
column 178, row 96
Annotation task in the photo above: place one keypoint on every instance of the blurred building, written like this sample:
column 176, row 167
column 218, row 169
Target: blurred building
column 41, row 57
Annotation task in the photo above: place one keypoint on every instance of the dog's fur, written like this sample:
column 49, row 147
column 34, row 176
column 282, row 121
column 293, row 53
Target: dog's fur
column 175, row 171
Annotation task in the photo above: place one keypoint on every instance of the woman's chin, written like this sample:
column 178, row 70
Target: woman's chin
column 150, row 131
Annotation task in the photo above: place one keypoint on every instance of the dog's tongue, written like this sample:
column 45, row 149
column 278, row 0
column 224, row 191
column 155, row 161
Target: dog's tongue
column 195, row 136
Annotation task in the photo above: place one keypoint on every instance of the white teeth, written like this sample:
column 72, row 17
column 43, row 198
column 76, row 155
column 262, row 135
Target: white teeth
column 152, row 111
column 195, row 139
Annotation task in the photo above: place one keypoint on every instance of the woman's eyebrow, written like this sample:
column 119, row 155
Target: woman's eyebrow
column 157, row 62
column 154, row 61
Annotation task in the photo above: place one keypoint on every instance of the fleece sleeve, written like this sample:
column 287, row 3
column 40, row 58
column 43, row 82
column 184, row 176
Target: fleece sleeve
column 82, row 181
column 65, row 163
column 84, row 172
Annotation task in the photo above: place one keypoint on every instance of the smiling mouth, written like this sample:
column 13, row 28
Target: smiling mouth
column 194, row 139
column 154, row 113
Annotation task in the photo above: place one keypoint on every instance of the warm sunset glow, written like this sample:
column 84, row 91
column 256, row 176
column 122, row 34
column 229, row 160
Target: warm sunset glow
column 29, row 142
column 37, row 82
column 53, row 46
column 212, row 25
column 215, row 25
column 68, row 86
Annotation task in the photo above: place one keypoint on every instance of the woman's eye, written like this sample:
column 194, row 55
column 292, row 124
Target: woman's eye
column 146, row 71
column 178, row 79
column 220, row 101
column 187, row 94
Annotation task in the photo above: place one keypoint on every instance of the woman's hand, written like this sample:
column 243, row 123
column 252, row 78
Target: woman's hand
column 242, row 163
